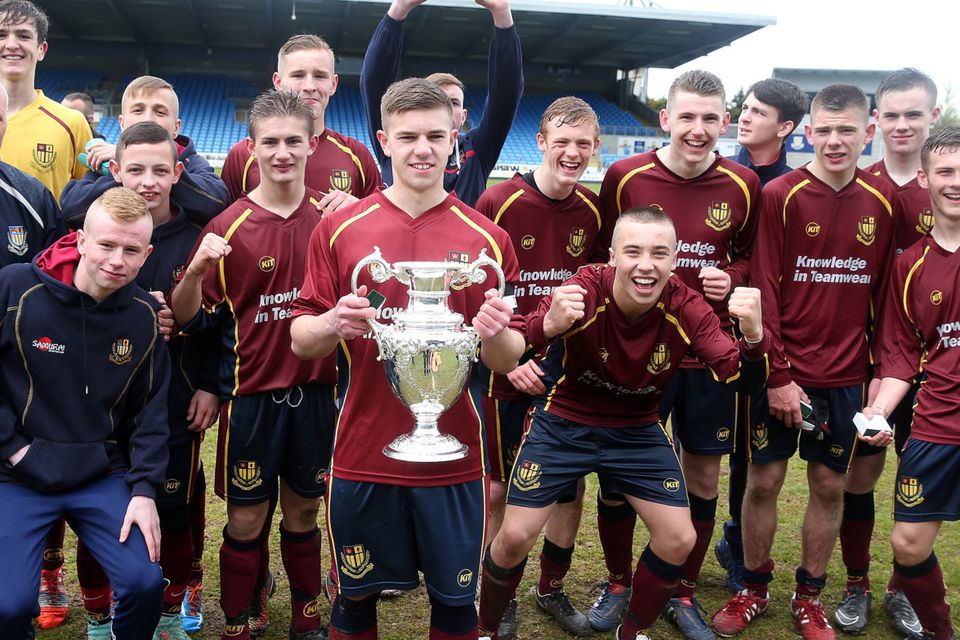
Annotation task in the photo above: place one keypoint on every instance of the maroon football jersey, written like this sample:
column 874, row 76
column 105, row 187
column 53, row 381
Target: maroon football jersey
column 921, row 333
column 912, row 213
column 715, row 213
column 371, row 416
column 248, row 296
column 820, row 261
column 339, row 162
column 606, row 371
column 552, row 239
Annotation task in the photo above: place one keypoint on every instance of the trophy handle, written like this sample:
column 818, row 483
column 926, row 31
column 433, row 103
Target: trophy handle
column 381, row 271
column 474, row 274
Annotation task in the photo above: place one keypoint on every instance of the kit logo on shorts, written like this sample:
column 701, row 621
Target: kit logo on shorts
column 527, row 242
column 813, row 229
column 835, row 450
column 17, row 240
column 936, row 296
column 718, row 215
column 465, row 577
column 867, row 230
column 723, row 434
column 659, row 359
column 341, row 180
column 909, row 491
column 246, row 475
column 577, row 242
column 925, row 221
column 355, row 561
column 759, row 436
column 121, row 352
column 171, row 486
column 672, row 485
column 527, row 475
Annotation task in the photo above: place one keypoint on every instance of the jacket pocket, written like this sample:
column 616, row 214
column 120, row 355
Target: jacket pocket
column 50, row 466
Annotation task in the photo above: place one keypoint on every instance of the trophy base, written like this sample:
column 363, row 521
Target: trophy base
column 436, row 447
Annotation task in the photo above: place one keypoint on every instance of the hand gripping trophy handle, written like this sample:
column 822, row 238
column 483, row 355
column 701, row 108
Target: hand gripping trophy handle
column 428, row 351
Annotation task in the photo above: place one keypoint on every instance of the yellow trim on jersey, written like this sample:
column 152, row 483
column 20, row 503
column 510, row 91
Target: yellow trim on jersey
column 906, row 284
column 233, row 312
column 336, row 428
column 586, row 200
column 743, row 187
column 493, row 243
column 786, row 201
column 623, row 181
column 246, row 171
column 673, row 320
column 350, row 221
column 347, row 150
column 314, row 201
column 506, row 205
column 886, row 203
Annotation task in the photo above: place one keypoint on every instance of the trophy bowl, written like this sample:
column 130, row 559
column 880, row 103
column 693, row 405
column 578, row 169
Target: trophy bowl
column 428, row 351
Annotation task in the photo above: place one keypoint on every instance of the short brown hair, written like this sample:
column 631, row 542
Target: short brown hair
column 149, row 85
column 278, row 103
column 446, row 80
column 16, row 12
column 145, row 132
column 840, row 97
column 413, row 94
column 304, row 42
column 945, row 140
column 699, row 82
column 647, row 215
column 122, row 204
column 906, row 79
column 572, row 111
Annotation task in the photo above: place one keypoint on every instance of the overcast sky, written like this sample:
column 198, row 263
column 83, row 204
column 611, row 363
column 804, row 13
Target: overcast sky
column 829, row 34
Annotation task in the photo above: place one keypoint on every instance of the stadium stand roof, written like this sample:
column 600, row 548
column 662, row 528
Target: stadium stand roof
column 566, row 41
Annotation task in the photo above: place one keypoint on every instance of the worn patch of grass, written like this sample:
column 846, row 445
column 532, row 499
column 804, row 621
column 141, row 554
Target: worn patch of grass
column 407, row 618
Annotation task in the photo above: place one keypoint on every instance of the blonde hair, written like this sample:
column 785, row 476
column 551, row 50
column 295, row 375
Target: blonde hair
column 303, row 42
column 446, row 80
column 122, row 204
column 572, row 111
column 149, row 85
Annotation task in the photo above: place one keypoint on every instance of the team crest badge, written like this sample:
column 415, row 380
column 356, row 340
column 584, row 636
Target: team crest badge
column 355, row 561
column 759, row 436
column 577, row 242
column 121, row 352
column 718, row 215
column 604, row 354
column 813, row 229
column 936, row 296
column 178, row 271
column 659, row 359
column 527, row 476
column 463, row 257
column 527, row 242
column 909, row 492
column 44, row 155
column 867, row 230
column 17, row 240
column 342, row 180
column 246, row 475
column 267, row 264
column 925, row 221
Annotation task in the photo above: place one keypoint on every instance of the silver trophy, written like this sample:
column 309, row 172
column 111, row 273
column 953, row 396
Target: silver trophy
column 428, row 351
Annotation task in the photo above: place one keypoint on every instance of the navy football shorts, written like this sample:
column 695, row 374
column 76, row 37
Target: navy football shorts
column 771, row 440
column 182, row 469
column 927, row 479
column 287, row 432
column 505, row 423
column 382, row 534
column 636, row 460
column 703, row 412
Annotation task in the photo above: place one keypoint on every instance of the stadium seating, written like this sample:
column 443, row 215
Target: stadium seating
column 209, row 103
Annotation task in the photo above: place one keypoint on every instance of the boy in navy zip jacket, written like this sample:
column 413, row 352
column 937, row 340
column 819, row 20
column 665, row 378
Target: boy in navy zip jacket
column 91, row 445
column 146, row 162
column 199, row 191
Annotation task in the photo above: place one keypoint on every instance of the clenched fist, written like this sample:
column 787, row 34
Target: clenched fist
column 744, row 305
